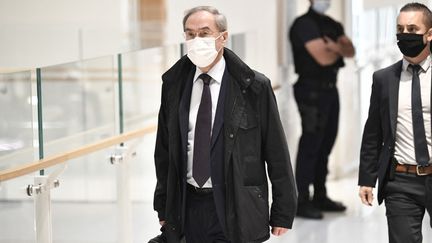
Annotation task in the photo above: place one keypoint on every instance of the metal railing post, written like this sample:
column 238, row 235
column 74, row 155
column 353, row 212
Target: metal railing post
column 43, row 219
column 124, row 203
column 120, row 158
column 41, row 192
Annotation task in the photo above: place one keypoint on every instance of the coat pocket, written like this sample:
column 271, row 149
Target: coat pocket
column 253, row 213
column 248, row 121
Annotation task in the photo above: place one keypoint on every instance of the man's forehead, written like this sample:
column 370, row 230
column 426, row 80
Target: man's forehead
column 410, row 18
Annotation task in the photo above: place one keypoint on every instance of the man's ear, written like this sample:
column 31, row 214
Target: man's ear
column 429, row 35
column 225, row 36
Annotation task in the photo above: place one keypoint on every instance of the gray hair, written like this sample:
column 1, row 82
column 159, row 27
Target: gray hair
column 220, row 19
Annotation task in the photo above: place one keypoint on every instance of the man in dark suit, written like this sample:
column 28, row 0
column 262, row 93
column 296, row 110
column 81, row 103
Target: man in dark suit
column 218, row 128
column 396, row 142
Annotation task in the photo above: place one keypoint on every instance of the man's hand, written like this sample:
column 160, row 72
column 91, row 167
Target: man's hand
column 162, row 223
column 332, row 45
column 366, row 195
column 342, row 47
column 278, row 231
column 346, row 46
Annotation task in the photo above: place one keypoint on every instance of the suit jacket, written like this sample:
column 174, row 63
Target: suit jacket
column 216, row 144
column 379, row 135
column 250, row 136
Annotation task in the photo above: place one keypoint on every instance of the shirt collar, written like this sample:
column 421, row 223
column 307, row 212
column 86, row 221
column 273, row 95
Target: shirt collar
column 425, row 64
column 216, row 72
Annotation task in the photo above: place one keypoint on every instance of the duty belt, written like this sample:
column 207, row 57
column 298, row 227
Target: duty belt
column 317, row 83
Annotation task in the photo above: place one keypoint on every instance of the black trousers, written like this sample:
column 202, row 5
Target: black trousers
column 319, row 111
column 202, row 223
column 406, row 199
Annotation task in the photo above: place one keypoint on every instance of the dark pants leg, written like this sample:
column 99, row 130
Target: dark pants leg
column 202, row 223
column 319, row 111
column 406, row 198
column 331, row 130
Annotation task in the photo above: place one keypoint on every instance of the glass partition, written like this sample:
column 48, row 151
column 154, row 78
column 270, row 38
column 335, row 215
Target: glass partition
column 141, row 72
column 16, row 148
column 142, row 84
column 16, row 126
column 79, row 104
column 85, row 201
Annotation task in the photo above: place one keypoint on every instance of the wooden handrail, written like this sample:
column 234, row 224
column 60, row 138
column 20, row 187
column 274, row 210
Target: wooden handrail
column 72, row 154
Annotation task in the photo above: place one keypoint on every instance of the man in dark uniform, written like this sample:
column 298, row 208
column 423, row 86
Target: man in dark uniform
column 319, row 45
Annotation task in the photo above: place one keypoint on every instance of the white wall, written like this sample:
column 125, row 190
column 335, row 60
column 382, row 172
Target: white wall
column 369, row 4
column 46, row 32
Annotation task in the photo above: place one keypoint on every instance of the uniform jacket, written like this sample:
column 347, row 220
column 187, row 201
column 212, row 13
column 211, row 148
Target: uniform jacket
column 251, row 135
column 379, row 135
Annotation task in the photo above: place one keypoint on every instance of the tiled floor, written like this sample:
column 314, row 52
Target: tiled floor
column 79, row 222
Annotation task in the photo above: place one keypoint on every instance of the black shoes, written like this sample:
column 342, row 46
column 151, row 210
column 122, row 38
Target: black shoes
column 313, row 209
column 328, row 205
column 307, row 210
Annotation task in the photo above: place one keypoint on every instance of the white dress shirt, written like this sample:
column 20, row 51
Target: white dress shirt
column 216, row 73
column 404, row 149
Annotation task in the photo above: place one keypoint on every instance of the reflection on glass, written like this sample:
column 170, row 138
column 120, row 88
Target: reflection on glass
column 142, row 72
column 78, row 104
column 16, row 127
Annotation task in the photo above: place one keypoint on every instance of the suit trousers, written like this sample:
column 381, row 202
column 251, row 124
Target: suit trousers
column 202, row 223
column 319, row 111
column 406, row 199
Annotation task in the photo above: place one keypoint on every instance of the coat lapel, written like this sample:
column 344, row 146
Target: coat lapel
column 184, row 112
column 394, row 79
column 219, row 117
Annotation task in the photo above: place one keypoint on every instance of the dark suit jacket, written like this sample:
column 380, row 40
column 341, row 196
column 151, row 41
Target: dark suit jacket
column 216, row 144
column 379, row 133
column 251, row 135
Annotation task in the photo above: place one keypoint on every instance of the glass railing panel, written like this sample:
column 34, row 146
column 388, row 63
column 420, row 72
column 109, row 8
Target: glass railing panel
column 142, row 83
column 142, row 184
column 79, row 104
column 16, row 125
column 85, row 203
column 16, row 211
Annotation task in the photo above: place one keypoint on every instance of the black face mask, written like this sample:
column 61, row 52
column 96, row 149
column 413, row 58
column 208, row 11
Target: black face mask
column 410, row 44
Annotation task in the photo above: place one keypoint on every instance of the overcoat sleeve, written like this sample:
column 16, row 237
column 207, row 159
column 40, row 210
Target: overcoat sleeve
column 161, row 159
column 276, row 155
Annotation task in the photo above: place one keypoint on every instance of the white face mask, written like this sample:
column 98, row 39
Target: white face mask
column 321, row 6
column 202, row 51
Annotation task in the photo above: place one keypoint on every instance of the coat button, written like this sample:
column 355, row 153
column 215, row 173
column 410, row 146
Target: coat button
column 259, row 195
column 231, row 135
column 244, row 91
column 248, row 80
